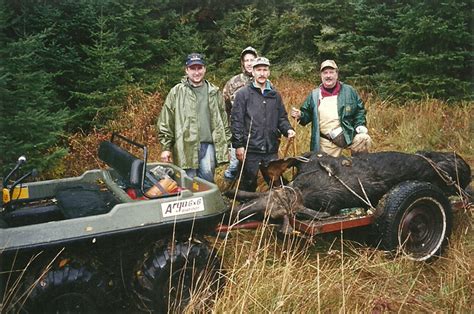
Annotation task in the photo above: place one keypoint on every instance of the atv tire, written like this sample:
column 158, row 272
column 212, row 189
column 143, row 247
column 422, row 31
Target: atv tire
column 72, row 288
column 415, row 219
column 173, row 273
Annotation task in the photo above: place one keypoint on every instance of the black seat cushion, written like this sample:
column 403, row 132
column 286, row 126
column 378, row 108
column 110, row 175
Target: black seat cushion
column 128, row 166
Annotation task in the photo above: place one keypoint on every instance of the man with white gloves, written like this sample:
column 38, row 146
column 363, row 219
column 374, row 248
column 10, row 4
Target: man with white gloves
column 337, row 115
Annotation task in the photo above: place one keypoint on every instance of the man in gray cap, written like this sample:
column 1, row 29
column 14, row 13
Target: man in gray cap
column 247, row 57
column 258, row 120
column 192, row 128
column 337, row 115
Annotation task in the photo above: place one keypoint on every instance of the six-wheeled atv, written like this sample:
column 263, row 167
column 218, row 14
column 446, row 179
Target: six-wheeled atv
column 108, row 238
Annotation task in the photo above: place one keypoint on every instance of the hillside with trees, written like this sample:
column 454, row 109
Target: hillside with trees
column 70, row 65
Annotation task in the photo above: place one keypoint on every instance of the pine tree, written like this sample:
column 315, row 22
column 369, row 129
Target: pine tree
column 372, row 43
column 239, row 30
column 435, row 50
column 105, row 76
column 30, row 123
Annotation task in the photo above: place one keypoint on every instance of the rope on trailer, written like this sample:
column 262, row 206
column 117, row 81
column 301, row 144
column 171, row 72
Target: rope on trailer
column 447, row 178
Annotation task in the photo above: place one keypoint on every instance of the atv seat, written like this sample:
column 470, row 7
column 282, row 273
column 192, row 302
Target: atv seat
column 129, row 167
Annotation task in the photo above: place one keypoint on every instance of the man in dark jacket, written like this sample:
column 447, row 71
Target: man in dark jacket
column 258, row 120
column 337, row 115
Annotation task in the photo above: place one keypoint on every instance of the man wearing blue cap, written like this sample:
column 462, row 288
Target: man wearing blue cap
column 192, row 128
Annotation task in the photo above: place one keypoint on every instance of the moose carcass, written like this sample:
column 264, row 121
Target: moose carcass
column 328, row 184
column 408, row 192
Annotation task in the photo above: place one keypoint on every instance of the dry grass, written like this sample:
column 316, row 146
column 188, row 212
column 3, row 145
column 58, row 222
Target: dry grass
column 266, row 274
column 425, row 125
column 136, row 121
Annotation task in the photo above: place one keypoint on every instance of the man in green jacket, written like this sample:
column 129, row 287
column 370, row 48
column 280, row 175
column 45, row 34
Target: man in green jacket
column 337, row 115
column 192, row 127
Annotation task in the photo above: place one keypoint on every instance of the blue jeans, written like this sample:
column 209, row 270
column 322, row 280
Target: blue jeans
column 207, row 163
column 233, row 168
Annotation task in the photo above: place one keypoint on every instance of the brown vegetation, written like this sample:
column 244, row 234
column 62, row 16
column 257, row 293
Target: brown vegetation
column 136, row 121
column 266, row 274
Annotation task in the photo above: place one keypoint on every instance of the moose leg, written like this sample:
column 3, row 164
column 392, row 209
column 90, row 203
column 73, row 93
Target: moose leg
column 286, row 227
column 316, row 215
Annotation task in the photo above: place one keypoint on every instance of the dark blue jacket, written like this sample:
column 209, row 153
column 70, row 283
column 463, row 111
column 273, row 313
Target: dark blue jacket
column 263, row 116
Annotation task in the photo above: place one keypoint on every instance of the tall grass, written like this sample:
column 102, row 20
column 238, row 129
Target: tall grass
column 423, row 125
column 267, row 274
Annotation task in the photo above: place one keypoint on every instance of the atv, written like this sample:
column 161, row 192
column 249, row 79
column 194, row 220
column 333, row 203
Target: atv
column 108, row 239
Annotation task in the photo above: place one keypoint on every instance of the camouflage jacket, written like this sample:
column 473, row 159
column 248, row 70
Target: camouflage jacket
column 231, row 87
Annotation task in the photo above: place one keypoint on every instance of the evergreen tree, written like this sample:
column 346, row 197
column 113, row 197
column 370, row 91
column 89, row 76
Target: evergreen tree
column 139, row 28
column 239, row 29
column 435, row 50
column 288, row 40
column 30, row 123
column 182, row 41
column 335, row 19
column 372, row 44
column 69, row 23
column 105, row 76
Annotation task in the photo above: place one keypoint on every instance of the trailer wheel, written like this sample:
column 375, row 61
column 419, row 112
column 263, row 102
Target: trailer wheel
column 415, row 219
column 172, row 273
column 73, row 288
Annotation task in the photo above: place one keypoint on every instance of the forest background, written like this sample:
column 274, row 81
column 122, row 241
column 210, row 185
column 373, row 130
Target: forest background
column 68, row 66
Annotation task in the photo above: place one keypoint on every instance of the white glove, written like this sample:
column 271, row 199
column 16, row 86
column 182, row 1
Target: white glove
column 295, row 113
column 291, row 133
column 361, row 130
column 361, row 143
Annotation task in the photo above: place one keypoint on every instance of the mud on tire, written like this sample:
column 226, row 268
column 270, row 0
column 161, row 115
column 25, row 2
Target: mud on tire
column 414, row 219
column 173, row 274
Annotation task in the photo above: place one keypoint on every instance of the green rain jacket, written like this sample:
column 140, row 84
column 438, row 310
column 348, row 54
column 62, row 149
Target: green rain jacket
column 349, row 107
column 178, row 125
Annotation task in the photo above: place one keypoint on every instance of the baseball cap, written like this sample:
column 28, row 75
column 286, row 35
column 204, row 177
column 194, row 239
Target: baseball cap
column 195, row 58
column 261, row 61
column 249, row 49
column 328, row 64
